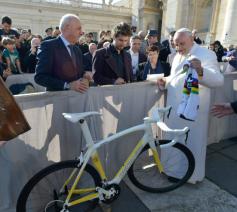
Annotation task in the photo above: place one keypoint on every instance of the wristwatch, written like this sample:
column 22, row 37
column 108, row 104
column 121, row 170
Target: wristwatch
column 66, row 86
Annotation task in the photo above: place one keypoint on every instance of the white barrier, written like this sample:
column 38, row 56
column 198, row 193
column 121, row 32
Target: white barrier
column 52, row 138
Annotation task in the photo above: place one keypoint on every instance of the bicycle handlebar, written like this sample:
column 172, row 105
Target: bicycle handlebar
column 165, row 128
column 158, row 117
column 176, row 132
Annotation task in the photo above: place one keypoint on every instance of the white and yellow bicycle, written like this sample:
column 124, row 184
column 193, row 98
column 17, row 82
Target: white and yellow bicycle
column 75, row 185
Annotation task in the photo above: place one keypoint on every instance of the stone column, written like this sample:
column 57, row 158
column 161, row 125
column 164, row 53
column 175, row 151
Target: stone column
column 214, row 19
column 183, row 15
column 164, row 31
column 193, row 25
column 229, row 35
column 149, row 14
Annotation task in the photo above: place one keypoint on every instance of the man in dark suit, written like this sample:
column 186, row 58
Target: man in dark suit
column 112, row 65
column 138, row 58
column 60, row 65
column 168, row 45
column 87, row 57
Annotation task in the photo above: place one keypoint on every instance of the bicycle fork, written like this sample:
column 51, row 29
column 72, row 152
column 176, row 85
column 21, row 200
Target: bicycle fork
column 156, row 157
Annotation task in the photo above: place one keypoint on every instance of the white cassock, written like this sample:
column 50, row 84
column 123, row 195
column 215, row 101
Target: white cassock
column 197, row 140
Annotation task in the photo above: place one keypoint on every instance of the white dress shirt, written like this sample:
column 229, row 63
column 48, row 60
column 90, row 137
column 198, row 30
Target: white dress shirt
column 135, row 60
column 66, row 43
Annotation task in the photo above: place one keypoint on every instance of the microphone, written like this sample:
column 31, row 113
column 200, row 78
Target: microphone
column 186, row 66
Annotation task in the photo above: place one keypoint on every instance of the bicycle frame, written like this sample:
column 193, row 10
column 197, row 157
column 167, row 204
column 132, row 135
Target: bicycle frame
column 93, row 154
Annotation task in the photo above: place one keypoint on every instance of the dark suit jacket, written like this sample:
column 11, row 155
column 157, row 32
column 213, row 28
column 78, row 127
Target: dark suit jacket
column 30, row 62
column 166, row 49
column 219, row 53
column 198, row 40
column 55, row 65
column 234, row 106
column 48, row 38
column 142, row 58
column 87, row 61
column 104, row 65
column 163, row 51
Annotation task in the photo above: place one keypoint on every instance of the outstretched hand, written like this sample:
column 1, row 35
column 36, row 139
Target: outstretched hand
column 222, row 109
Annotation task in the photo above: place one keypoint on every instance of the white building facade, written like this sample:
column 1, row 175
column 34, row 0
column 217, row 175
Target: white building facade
column 214, row 19
column 38, row 15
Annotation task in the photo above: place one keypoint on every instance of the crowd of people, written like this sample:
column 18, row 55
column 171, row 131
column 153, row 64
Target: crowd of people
column 18, row 53
column 66, row 60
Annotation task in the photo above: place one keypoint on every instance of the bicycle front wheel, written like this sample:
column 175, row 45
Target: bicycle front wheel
column 45, row 192
column 178, row 164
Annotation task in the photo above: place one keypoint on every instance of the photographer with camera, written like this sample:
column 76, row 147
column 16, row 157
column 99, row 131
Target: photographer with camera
column 30, row 59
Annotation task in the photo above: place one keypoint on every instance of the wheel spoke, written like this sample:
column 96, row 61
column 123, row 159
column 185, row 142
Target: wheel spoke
column 178, row 167
column 42, row 192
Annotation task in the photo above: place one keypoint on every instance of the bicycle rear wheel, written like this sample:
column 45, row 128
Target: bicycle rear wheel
column 42, row 192
column 178, row 165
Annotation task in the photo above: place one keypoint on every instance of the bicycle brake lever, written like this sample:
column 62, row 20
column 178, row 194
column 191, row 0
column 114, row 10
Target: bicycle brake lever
column 186, row 136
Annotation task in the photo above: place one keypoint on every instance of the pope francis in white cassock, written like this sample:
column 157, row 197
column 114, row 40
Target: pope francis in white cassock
column 209, row 76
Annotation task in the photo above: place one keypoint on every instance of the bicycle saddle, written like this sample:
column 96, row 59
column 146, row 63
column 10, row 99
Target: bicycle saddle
column 75, row 117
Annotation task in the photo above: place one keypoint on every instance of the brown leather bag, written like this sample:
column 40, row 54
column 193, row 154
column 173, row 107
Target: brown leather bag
column 12, row 120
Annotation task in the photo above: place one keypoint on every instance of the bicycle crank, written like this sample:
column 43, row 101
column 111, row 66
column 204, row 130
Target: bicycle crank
column 114, row 191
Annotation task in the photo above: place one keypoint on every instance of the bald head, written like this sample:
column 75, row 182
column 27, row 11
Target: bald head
column 183, row 41
column 67, row 20
column 35, row 42
column 70, row 27
column 92, row 48
column 141, row 34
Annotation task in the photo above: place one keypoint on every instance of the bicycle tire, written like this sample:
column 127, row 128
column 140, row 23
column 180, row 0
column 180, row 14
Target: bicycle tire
column 167, row 183
column 24, row 199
